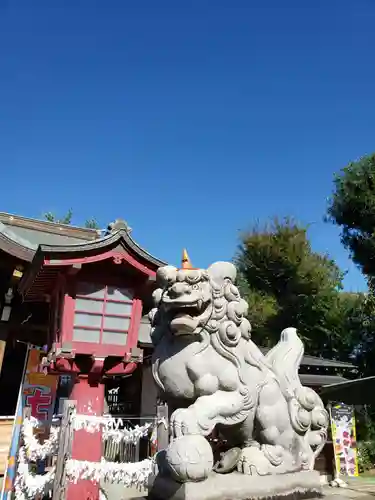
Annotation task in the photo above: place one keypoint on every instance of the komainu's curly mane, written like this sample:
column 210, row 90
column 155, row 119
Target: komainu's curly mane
column 213, row 298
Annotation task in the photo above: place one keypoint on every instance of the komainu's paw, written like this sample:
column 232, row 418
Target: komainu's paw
column 253, row 462
column 276, row 455
column 186, row 421
column 182, row 422
column 228, row 461
column 267, row 459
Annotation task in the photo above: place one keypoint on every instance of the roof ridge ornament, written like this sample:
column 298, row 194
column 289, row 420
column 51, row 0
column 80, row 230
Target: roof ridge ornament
column 117, row 225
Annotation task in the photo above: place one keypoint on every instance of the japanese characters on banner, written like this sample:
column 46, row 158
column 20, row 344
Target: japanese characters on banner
column 344, row 439
column 37, row 391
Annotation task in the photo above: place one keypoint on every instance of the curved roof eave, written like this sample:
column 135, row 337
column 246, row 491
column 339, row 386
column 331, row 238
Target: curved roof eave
column 16, row 245
column 101, row 244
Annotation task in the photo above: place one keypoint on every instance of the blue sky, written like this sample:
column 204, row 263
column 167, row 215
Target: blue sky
column 189, row 119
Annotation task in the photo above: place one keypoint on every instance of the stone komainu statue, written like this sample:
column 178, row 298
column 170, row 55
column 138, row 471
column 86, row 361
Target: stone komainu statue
column 216, row 377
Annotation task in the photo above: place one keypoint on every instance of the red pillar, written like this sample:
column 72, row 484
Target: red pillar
column 89, row 395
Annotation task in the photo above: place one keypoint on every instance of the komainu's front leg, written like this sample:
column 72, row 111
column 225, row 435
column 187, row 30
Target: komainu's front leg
column 222, row 407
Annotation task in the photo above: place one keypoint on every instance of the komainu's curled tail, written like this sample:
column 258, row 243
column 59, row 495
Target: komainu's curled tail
column 307, row 413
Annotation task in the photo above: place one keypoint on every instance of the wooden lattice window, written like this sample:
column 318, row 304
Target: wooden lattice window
column 102, row 314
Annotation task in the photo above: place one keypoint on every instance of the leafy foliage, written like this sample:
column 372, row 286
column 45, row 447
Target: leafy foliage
column 92, row 223
column 66, row 219
column 365, row 346
column 287, row 284
column 352, row 207
column 365, row 430
column 366, row 455
column 344, row 326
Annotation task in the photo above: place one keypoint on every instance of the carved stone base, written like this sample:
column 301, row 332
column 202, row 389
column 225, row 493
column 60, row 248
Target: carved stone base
column 237, row 486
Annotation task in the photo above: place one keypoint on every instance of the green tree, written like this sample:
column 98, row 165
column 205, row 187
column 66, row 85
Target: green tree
column 92, row 223
column 286, row 284
column 66, row 219
column 364, row 350
column 352, row 208
column 345, row 326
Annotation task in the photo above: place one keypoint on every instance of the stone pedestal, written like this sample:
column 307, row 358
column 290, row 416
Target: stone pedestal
column 237, row 486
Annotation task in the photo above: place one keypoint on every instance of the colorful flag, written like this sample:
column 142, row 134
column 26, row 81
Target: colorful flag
column 37, row 391
column 344, row 439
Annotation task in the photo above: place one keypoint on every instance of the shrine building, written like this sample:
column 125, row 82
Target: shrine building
column 84, row 298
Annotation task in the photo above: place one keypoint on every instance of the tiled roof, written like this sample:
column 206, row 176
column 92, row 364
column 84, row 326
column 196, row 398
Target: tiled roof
column 31, row 238
column 357, row 392
column 321, row 380
column 21, row 236
column 316, row 361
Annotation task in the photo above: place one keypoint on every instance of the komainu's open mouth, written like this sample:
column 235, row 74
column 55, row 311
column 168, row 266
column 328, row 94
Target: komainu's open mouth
column 184, row 316
column 177, row 309
column 192, row 312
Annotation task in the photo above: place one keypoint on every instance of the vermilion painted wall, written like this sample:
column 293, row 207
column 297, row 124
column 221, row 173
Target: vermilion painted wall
column 86, row 446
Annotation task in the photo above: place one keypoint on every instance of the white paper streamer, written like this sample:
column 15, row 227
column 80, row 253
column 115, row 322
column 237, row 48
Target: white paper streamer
column 34, row 449
column 128, row 474
column 111, row 428
column 126, row 435
column 93, row 423
column 27, row 485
